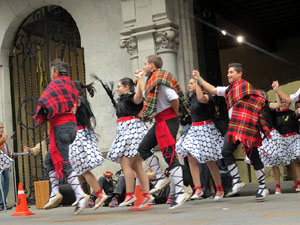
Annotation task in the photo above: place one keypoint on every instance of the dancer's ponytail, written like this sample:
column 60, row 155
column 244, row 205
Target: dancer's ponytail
column 109, row 90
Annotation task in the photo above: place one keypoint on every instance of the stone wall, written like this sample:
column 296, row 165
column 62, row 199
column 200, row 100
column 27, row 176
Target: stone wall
column 116, row 36
column 99, row 24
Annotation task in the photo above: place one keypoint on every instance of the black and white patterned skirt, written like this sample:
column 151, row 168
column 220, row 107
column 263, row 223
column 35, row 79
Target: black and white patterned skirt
column 84, row 153
column 203, row 142
column 5, row 161
column 292, row 144
column 274, row 152
column 129, row 135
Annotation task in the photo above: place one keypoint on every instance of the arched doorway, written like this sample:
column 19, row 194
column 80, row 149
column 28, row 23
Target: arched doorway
column 48, row 33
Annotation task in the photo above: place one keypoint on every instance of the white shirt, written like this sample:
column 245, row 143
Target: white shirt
column 165, row 95
column 295, row 97
column 221, row 92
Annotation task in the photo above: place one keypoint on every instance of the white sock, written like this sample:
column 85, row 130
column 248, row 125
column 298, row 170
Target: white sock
column 54, row 185
column 153, row 163
column 74, row 182
column 234, row 173
column 260, row 174
column 177, row 178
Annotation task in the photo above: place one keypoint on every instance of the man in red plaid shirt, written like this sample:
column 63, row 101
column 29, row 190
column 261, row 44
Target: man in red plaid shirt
column 245, row 105
column 57, row 105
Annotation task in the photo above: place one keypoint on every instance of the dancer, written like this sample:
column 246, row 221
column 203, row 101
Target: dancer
column 203, row 142
column 245, row 105
column 272, row 152
column 286, row 124
column 164, row 101
column 130, row 132
column 84, row 152
column 4, row 176
column 58, row 105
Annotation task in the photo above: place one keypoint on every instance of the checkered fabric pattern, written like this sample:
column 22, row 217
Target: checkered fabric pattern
column 59, row 97
column 246, row 121
column 161, row 77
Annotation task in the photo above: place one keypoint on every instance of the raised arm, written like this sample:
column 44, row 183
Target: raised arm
column 207, row 86
column 138, row 97
column 277, row 104
column 282, row 95
column 203, row 98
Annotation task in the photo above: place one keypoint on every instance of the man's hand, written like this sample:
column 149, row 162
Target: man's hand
column 139, row 74
column 275, row 84
column 74, row 109
column 196, row 75
column 27, row 149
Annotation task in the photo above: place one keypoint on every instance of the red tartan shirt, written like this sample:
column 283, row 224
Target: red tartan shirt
column 59, row 97
column 246, row 121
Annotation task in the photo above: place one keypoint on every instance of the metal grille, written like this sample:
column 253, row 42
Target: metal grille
column 46, row 34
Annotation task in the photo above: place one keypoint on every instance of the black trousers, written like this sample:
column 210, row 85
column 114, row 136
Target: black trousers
column 150, row 141
column 64, row 135
column 229, row 148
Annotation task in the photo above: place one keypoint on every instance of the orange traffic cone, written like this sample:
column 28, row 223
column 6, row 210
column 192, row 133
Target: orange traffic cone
column 140, row 196
column 22, row 208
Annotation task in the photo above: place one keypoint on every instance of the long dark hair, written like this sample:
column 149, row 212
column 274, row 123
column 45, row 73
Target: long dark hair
column 91, row 90
column 81, row 88
column 108, row 89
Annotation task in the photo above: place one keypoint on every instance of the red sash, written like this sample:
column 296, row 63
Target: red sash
column 163, row 135
column 55, row 155
column 82, row 127
column 201, row 123
column 126, row 118
column 289, row 134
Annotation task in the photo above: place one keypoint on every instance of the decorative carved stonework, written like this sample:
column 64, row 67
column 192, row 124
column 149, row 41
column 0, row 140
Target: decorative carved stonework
column 166, row 40
column 131, row 45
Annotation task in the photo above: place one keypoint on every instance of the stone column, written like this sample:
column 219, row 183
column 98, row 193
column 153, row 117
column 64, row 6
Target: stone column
column 166, row 45
column 130, row 43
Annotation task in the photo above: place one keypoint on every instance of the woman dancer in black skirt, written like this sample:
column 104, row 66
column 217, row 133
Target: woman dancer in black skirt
column 84, row 153
column 203, row 142
column 130, row 132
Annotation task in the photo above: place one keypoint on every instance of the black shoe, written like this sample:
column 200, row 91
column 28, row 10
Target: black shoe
column 9, row 207
column 1, row 208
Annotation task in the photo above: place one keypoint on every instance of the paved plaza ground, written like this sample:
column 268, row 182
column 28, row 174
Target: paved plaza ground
column 277, row 209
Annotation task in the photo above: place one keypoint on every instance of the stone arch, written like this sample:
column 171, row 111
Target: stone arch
column 14, row 12
column 8, row 48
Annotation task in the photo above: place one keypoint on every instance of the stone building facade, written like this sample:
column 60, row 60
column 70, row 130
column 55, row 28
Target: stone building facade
column 116, row 36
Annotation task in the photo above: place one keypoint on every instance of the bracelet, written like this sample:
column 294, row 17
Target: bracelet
column 199, row 81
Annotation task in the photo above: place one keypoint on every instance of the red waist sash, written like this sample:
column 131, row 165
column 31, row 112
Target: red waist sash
column 163, row 135
column 55, row 155
column 201, row 123
column 126, row 118
column 289, row 134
